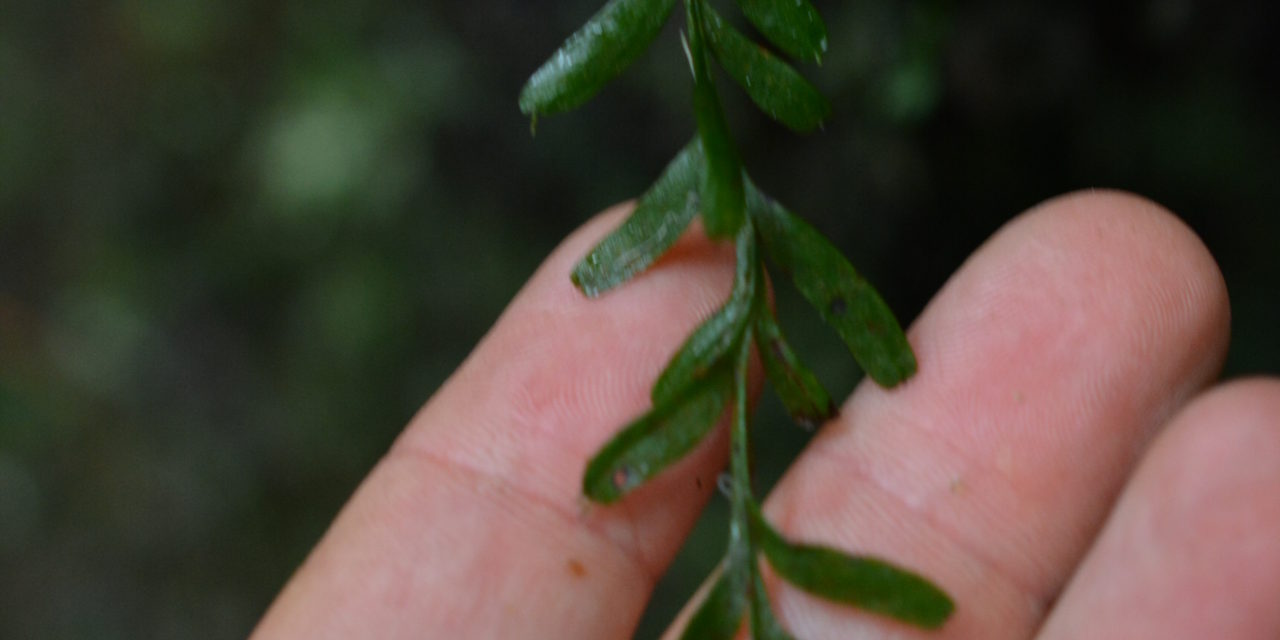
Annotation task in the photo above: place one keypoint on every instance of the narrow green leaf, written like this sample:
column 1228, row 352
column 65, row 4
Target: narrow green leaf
column 773, row 85
column 661, row 215
column 843, row 298
column 606, row 45
column 722, row 197
column 868, row 583
column 658, row 438
column 792, row 25
column 720, row 615
column 764, row 625
column 804, row 397
column 715, row 338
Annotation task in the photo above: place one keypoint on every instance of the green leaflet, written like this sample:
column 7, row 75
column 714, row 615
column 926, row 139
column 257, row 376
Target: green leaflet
column 710, row 369
column 657, row 439
column 720, row 615
column 715, row 338
column 606, row 45
column 799, row 389
column 764, row 626
column 867, row 583
column 721, row 190
column 844, row 299
column 773, row 85
column 793, row 25
column 659, row 218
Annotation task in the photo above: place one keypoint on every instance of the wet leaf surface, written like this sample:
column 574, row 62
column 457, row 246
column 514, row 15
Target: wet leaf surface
column 842, row 297
column 773, row 85
column 794, row 26
column 660, row 217
column 605, row 46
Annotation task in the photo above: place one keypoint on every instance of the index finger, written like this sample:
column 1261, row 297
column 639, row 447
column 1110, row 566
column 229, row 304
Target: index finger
column 473, row 526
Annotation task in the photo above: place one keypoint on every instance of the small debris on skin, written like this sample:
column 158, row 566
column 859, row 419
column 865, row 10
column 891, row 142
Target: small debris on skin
column 576, row 568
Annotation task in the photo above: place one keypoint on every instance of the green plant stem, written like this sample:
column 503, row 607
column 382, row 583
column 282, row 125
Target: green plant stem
column 711, row 369
column 723, row 199
column 741, row 544
column 739, row 445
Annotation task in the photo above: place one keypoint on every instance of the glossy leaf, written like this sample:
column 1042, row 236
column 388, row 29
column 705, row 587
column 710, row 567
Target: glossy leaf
column 843, row 298
column 792, row 25
column 720, row 615
column 658, row 438
column 867, row 583
column 606, row 45
column 713, row 340
column 799, row 389
column 773, row 85
column 661, row 215
column 721, row 189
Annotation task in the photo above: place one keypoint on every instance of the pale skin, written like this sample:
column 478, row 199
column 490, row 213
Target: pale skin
column 1065, row 463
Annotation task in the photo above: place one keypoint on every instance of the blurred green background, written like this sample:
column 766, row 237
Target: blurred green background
column 242, row 242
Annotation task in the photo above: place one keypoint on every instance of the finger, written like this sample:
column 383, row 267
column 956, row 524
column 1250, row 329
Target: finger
column 1192, row 550
column 1046, row 363
column 474, row 526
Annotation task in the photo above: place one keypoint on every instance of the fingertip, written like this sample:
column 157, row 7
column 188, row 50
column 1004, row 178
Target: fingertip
column 1228, row 430
column 1183, row 290
column 1108, row 270
column 1189, row 551
column 1047, row 363
column 1120, row 221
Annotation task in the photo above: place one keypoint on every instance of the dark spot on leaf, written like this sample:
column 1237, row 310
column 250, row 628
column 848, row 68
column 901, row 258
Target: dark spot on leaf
column 576, row 568
column 698, row 481
column 838, row 306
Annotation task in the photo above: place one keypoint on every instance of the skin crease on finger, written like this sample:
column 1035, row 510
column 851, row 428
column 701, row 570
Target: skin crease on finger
column 474, row 525
column 1045, row 366
column 1047, row 363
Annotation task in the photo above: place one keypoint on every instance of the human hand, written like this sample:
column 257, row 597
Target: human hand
column 1060, row 465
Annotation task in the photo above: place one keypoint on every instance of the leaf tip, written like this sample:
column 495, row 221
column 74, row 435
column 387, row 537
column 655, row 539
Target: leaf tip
column 581, row 280
column 810, row 421
column 611, row 486
column 529, row 99
column 900, row 370
column 937, row 613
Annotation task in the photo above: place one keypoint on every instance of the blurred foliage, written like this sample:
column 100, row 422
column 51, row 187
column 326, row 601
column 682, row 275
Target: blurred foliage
column 241, row 242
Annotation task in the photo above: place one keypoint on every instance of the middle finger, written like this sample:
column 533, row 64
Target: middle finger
column 1045, row 365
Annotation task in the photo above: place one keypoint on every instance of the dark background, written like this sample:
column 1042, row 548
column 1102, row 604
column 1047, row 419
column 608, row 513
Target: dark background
column 241, row 242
